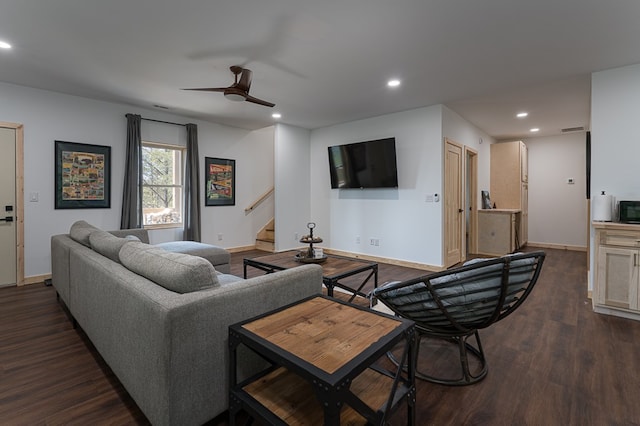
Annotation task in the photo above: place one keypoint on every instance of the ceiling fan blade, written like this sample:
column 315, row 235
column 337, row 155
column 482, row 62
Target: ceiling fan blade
column 259, row 101
column 245, row 80
column 209, row 89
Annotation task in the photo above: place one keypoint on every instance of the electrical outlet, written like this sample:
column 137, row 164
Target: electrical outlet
column 374, row 242
column 219, row 237
column 295, row 237
column 358, row 239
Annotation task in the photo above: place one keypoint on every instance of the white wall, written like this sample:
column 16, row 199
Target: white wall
column 292, row 185
column 49, row 116
column 253, row 152
column 458, row 129
column 408, row 228
column 615, row 145
column 557, row 210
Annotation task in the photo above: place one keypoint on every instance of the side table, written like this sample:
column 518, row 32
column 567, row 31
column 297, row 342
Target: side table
column 324, row 365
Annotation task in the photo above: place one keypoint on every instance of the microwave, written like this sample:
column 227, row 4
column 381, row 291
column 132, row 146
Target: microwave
column 629, row 211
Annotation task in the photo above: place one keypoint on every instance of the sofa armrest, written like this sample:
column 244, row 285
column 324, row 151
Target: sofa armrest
column 61, row 246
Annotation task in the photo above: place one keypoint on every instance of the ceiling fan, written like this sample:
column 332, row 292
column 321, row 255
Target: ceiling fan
column 238, row 91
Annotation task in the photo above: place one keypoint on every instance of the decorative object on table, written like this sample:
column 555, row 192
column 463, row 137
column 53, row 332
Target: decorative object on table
column 220, row 182
column 82, row 176
column 486, row 200
column 311, row 255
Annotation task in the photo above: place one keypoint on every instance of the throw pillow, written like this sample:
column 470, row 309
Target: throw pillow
column 177, row 272
column 80, row 232
column 107, row 244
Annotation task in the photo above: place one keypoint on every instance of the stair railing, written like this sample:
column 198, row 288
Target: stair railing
column 259, row 200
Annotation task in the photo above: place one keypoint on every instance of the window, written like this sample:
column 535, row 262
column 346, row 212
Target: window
column 162, row 185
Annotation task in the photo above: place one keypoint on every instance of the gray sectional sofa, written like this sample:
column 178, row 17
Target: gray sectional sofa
column 160, row 319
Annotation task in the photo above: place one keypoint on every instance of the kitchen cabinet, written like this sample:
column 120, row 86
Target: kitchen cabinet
column 617, row 270
column 498, row 231
column 509, row 185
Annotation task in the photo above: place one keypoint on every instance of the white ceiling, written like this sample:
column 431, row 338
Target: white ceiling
column 326, row 62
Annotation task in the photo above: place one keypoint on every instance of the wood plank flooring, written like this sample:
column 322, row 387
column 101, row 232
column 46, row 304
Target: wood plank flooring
column 552, row 362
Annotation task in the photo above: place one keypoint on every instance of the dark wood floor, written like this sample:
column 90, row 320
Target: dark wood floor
column 552, row 362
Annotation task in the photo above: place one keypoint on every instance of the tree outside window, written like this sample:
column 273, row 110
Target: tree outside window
column 162, row 187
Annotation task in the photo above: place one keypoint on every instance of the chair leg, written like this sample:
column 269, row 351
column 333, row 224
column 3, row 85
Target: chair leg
column 464, row 348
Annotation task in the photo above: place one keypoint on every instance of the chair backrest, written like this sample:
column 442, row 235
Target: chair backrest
column 461, row 300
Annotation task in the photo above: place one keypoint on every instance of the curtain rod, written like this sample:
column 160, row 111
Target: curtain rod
column 160, row 121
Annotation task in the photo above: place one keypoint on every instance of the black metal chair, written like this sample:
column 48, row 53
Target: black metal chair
column 456, row 303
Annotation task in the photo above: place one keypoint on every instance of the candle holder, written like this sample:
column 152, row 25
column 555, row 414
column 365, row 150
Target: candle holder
column 308, row 255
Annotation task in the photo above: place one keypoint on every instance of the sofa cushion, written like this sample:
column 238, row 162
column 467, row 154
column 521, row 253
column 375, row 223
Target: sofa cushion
column 108, row 244
column 80, row 232
column 177, row 272
column 140, row 233
column 214, row 254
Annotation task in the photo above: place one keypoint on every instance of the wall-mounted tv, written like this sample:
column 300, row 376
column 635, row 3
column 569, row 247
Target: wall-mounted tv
column 370, row 164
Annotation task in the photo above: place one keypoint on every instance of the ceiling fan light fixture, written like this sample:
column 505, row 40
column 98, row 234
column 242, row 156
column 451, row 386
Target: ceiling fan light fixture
column 234, row 97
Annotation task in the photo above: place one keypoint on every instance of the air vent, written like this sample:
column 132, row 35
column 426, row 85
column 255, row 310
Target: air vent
column 160, row 106
column 573, row 129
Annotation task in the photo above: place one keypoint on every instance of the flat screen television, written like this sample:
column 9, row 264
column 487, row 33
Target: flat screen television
column 370, row 164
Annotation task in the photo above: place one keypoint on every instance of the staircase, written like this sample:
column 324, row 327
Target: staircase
column 265, row 240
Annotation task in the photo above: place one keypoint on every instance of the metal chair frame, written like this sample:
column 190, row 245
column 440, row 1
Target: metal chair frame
column 456, row 303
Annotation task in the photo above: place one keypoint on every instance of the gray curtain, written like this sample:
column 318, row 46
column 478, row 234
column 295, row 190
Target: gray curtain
column 132, row 193
column 192, row 187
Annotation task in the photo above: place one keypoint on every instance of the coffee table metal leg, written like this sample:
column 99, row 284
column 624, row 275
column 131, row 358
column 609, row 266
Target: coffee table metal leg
column 329, row 284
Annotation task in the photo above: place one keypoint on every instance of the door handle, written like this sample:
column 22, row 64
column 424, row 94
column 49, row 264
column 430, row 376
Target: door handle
column 7, row 219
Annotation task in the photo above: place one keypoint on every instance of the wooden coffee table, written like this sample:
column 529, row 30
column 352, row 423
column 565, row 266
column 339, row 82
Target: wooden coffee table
column 321, row 373
column 334, row 270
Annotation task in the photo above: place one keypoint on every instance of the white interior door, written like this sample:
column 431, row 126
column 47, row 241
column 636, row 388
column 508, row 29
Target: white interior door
column 8, row 246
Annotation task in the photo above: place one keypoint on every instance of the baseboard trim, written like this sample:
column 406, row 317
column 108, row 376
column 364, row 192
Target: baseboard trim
column 557, row 246
column 397, row 262
column 241, row 248
column 35, row 279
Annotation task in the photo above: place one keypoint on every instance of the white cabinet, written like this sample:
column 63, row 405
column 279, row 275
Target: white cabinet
column 617, row 273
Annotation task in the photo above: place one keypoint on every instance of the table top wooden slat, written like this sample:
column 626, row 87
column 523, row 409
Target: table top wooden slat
column 302, row 330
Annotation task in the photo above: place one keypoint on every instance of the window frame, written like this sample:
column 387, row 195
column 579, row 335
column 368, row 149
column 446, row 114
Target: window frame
column 183, row 151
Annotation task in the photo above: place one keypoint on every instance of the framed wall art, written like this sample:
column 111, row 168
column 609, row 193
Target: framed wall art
column 220, row 182
column 82, row 176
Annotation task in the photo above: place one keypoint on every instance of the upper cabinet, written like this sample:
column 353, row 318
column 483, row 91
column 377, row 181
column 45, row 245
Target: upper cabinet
column 509, row 187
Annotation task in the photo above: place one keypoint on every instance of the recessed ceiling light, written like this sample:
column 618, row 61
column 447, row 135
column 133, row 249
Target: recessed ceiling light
column 393, row 83
column 535, row 129
column 4, row 45
column 522, row 114
column 276, row 115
